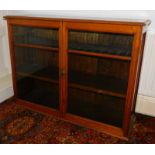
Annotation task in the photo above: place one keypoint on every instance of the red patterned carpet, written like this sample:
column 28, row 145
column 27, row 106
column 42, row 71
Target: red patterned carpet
column 21, row 125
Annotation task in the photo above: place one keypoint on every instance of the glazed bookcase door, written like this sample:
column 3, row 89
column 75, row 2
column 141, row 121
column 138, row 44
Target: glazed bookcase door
column 98, row 72
column 36, row 53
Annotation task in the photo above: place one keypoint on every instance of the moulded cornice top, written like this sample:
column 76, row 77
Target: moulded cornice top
column 141, row 22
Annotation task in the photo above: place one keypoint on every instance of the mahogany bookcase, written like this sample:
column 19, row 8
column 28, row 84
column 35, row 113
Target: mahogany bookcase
column 83, row 71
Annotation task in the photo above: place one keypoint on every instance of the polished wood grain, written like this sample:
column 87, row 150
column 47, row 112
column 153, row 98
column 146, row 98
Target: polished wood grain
column 34, row 23
column 37, row 47
column 132, row 85
column 103, row 55
column 95, row 90
column 62, row 72
column 47, row 79
column 38, row 108
column 75, row 51
column 111, row 28
column 139, row 66
column 101, row 127
column 141, row 22
column 135, row 28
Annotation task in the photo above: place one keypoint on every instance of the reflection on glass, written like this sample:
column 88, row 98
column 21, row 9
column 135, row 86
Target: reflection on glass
column 36, row 36
column 118, row 44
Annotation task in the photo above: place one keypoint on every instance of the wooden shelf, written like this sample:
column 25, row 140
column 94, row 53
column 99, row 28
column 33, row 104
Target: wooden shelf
column 38, row 47
column 106, row 85
column 106, row 111
column 110, row 85
column 37, row 77
column 39, row 72
column 103, row 55
column 87, row 53
column 96, row 90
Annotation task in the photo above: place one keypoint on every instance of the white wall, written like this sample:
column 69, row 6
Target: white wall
column 3, row 60
column 6, row 90
column 88, row 14
column 147, row 82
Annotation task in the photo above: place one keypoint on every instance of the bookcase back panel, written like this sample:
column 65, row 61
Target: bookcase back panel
column 36, row 36
column 99, row 73
column 109, row 43
column 38, row 91
column 29, row 56
column 98, row 107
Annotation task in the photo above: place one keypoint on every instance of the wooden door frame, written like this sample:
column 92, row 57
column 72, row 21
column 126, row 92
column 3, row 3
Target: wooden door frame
column 134, row 64
column 36, row 24
column 133, row 82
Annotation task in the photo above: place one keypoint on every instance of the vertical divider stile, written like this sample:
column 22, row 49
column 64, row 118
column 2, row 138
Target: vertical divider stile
column 63, row 72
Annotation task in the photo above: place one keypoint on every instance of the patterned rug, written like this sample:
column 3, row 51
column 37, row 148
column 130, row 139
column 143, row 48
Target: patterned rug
column 21, row 125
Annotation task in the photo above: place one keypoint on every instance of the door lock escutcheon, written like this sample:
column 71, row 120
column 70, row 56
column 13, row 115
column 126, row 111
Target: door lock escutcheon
column 62, row 72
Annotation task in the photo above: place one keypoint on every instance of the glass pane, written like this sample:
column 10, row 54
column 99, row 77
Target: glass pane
column 37, row 36
column 107, row 43
column 37, row 71
column 38, row 91
column 100, row 74
column 97, row 88
column 101, row 108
